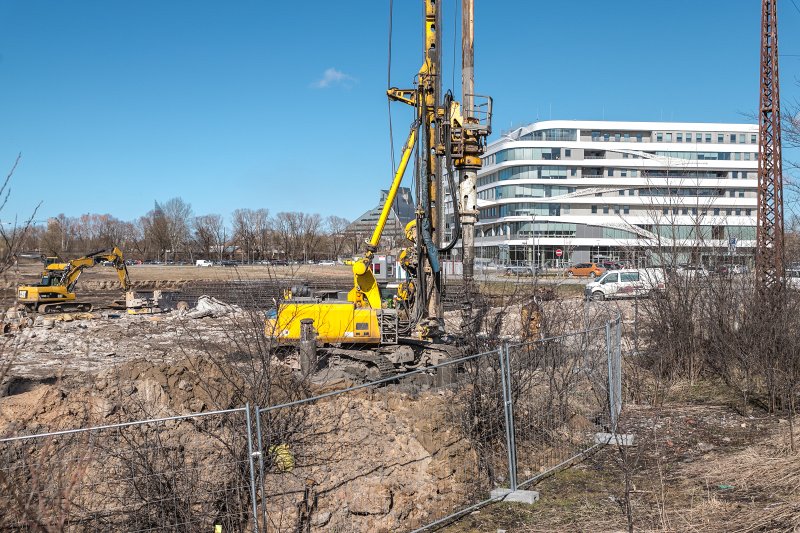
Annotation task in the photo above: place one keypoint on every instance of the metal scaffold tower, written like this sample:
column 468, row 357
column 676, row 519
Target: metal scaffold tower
column 769, row 231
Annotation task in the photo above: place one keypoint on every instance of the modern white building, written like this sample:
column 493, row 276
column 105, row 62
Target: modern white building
column 618, row 190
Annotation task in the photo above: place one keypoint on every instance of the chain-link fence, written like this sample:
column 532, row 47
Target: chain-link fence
column 404, row 453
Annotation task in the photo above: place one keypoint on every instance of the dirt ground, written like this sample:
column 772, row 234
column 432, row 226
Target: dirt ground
column 698, row 465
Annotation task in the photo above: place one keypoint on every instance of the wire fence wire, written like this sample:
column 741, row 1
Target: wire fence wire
column 404, row 453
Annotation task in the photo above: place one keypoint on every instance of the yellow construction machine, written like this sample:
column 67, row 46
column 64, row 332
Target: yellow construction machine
column 443, row 137
column 56, row 292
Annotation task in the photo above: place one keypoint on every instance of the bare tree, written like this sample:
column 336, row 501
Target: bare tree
column 335, row 229
column 249, row 230
column 206, row 234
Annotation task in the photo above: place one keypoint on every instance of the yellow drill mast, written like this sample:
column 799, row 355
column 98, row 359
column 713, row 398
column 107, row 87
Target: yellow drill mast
column 438, row 128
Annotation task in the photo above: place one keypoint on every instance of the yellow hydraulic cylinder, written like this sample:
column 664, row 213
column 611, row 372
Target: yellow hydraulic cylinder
column 398, row 178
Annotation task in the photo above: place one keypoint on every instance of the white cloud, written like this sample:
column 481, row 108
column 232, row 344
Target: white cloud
column 333, row 77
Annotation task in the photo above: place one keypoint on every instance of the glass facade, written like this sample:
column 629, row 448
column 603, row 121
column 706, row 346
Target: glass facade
column 524, row 172
column 524, row 191
column 557, row 134
column 516, row 154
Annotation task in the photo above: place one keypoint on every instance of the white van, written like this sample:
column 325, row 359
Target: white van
column 626, row 283
column 203, row 263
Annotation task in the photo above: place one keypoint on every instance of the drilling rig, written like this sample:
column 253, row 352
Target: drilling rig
column 444, row 137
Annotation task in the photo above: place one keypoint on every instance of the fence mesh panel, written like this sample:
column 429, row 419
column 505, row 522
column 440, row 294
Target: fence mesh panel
column 180, row 474
column 559, row 394
column 374, row 460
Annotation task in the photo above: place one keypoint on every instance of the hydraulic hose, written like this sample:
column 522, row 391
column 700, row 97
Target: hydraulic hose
column 448, row 98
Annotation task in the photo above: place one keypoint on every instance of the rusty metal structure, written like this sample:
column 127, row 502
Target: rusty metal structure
column 769, row 230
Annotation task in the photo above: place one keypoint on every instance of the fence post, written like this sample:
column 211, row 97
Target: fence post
column 252, row 467
column 618, row 368
column 611, row 388
column 512, row 467
column 509, row 387
column 261, row 468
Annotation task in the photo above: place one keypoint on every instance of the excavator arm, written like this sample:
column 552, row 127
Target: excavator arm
column 365, row 292
column 76, row 266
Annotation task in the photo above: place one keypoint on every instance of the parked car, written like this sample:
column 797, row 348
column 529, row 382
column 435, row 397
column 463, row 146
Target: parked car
column 691, row 271
column 591, row 270
column 731, row 269
column 279, row 262
column 520, row 270
column 626, row 283
column 327, row 263
column 610, row 265
column 204, row 263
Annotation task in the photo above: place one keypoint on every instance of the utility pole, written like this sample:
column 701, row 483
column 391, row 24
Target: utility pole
column 769, row 227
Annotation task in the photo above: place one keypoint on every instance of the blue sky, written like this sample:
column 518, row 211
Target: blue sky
column 282, row 105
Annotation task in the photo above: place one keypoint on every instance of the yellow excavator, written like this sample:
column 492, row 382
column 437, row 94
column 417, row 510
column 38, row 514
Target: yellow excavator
column 56, row 292
column 440, row 132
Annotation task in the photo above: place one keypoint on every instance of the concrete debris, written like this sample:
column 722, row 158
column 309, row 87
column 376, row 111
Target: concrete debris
column 209, row 306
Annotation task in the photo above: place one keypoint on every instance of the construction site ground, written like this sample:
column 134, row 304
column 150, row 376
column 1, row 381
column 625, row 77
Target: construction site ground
column 701, row 463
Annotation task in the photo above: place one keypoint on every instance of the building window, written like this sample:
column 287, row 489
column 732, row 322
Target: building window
column 598, row 194
column 594, row 209
column 738, row 212
column 622, row 192
column 665, row 211
column 623, row 172
column 753, row 139
column 606, row 137
column 567, row 153
column 733, row 138
column 708, row 137
column 626, row 209
column 734, row 175
column 669, row 137
column 694, row 210
column 638, row 137
column 574, row 172
column 727, row 212
column 720, row 137
column 737, row 156
column 610, row 171
column 605, row 209
column 688, row 137
column 716, row 211
column 699, row 137
column 748, row 212
column 679, row 137
column 659, row 137
column 685, row 211
column 747, row 156
column 631, row 192
column 616, row 210
column 741, row 138
column 627, row 137
column 741, row 193
column 674, row 210
column 732, row 193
